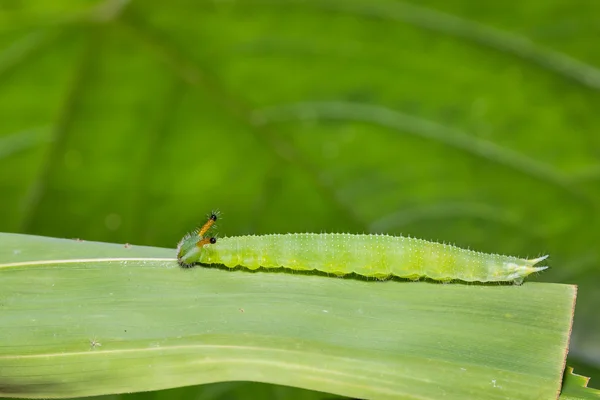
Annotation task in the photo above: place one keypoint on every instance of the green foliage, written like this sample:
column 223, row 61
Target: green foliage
column 446, row 120
column 575, row 387
column 128, row 318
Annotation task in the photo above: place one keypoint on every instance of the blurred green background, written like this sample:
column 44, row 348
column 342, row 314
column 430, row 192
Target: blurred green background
column 475, row 123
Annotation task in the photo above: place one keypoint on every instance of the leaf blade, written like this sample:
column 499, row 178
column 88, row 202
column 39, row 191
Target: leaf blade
column 96, row 327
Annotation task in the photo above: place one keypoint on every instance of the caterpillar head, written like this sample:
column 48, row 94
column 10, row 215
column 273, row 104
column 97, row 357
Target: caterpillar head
column 190, row 247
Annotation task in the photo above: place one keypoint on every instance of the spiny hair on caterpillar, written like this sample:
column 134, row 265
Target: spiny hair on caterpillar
column 193, row 242
column 378, row 256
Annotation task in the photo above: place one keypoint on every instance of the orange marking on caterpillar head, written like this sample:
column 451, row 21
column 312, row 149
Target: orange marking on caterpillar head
column 205, row 241
column 207, row 225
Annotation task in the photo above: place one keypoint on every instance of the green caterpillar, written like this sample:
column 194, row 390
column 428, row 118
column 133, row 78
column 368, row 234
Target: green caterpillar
column 378, row 256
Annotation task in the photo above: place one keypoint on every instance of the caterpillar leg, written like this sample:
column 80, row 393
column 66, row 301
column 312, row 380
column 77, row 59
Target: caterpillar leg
column 518, row 281
column 382, row 277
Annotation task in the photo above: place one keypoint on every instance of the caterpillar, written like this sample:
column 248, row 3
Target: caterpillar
column 378, row 256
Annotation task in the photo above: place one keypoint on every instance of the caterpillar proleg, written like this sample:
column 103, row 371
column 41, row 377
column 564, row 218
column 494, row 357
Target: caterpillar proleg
column 379, row 256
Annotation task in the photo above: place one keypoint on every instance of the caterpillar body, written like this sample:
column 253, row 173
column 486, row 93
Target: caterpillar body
column 378, row 256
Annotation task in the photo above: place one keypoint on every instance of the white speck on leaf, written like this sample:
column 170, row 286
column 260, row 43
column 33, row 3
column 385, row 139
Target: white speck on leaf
column 94, row 343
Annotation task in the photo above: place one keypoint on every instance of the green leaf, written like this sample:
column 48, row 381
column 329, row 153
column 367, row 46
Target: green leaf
column 127, row 121
column 84, row 318
column 575, row 387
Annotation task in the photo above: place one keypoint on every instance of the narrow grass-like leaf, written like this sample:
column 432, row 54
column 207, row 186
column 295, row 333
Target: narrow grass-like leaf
column 83, row 318
column 575, row 387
